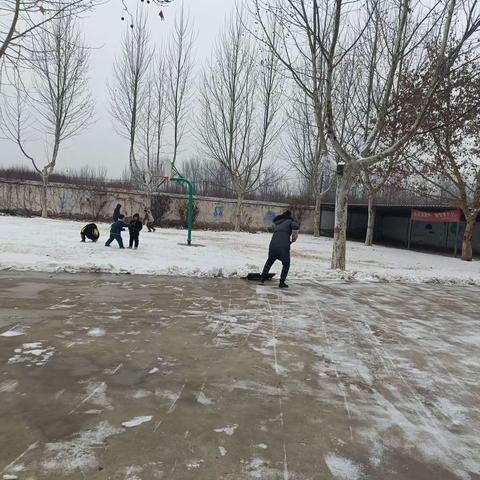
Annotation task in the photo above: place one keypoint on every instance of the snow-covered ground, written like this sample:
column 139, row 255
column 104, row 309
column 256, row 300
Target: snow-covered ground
column 54, row 246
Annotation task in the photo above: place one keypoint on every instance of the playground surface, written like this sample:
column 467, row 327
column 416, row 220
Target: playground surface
column 143, row 377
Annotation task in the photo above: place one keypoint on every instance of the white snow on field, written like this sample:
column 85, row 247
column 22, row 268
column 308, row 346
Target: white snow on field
column 54, row 246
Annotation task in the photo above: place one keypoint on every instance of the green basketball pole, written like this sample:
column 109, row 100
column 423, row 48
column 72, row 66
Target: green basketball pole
column 180, row 179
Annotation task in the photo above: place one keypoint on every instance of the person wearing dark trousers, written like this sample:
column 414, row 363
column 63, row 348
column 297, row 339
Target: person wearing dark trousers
column 116, row 232
column 90, row 231
column 134, row 228
column 284, row 234
column 116, row 212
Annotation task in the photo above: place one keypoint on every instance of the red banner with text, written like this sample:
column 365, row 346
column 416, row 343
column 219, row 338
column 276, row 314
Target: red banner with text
column 450, row 216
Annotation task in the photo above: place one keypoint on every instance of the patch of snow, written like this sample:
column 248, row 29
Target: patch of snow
column 9, row 386
column 279, row 369
column 32, row 353
column 29, row 346
column 195, row 464
column 259, row 468
column 136, row 421
column 96, row 332
column 262, row 446
column 223, row 451
column 37, row 352
column 97, row 394
column 133, row 472
column 457, row 413
column 12, row 333
column 166, row 394
column 343, row 468
column 78, row 454
column 141, row 394
column 229, row 429
column 202, row 399
column 153, row 370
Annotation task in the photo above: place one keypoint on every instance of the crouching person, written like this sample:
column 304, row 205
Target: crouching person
column 116, row 232
column 90, row 231
column 285, row 233
column 134, row 228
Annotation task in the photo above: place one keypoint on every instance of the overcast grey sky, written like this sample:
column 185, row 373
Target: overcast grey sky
column 100, row 145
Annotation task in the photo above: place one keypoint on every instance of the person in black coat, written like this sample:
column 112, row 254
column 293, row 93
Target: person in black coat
column 116, row 212
column 90, row 231
column 116, row 232
column 285, row 233
column 134, row 228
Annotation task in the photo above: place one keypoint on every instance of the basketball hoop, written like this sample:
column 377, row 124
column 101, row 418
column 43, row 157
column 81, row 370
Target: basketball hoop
column 169, row 172
column 173, row 175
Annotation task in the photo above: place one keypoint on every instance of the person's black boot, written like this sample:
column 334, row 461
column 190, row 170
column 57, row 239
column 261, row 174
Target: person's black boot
column 283, row 275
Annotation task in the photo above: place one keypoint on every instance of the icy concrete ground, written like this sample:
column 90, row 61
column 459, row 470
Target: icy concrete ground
column 115, row 377
column 54, row 246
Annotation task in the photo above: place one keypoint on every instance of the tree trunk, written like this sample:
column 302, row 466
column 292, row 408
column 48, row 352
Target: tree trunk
column 340, row 226
column 317, row 215
column 371, row 221
column 467, row 238
column 44, row 199
column 238, row 213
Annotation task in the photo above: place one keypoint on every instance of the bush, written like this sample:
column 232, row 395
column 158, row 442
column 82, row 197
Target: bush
column 182, row 211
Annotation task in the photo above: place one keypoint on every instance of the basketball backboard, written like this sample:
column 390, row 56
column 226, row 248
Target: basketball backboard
column 168, row 170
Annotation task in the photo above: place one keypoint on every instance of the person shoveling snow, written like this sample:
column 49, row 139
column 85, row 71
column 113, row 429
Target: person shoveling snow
column 285, row 233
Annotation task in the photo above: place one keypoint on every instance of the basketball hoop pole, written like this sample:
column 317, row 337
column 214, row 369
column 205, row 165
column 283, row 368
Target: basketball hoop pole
column 180, row 179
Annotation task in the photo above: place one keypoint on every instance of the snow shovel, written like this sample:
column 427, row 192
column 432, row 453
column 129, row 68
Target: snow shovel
column 256, row 277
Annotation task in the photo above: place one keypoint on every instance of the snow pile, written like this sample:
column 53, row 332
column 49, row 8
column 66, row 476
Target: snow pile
column 54, row 246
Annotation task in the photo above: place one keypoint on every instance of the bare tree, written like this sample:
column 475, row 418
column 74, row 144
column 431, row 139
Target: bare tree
column 239, row 102
column 131, row 93
column 152, row 128
column 446, row 153
column 306, row 154
column 376, row 179
column 179, row 72
column 60, row 103
column 22, row 20
column 208, row 177
column 149, row 99
column 378, row 40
